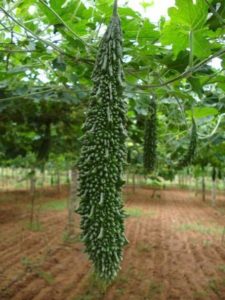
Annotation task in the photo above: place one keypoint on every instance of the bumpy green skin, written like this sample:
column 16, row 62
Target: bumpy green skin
column 102, row 159
column 150, row 137
column 189, row 156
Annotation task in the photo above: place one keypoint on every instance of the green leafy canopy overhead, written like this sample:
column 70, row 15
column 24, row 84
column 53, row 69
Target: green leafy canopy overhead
column 187, row 28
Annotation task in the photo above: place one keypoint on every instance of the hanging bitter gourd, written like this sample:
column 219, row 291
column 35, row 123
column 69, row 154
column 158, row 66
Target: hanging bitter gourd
column 190, row 154
column 214, row 174
column 44, row 144
column 102, row 158
column 150, row 137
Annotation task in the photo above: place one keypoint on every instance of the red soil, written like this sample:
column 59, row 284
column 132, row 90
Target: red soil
column 161, row 262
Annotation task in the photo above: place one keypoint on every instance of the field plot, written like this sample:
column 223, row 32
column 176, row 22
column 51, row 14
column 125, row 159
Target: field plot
column 175, row 251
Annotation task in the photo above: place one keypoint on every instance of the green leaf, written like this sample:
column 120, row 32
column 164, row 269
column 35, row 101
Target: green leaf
column 172, row 35
column 187, row 18
column 196, row 85
column 201, row 46
column 202, row 112
column 189, row 15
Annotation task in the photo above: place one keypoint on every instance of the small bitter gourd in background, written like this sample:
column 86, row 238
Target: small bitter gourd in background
column 190, row 154
column 150, row 137
column 44, row 144
column 102, row 158
column 219, row 172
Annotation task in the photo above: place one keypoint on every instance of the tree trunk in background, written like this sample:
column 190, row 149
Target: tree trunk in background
column 27, row 182
column 196, row 186
column 127, row 179
column 213, row 199
column 133, row 182
column 12, row 181
column 68, row 176
column 7, row 179
column 203, row 185
column 72, row 202
column 189, row 182
column 43, row 178
column 2, row 177
column 146, row 179
column 32, row 194
column 153, row 193
column 179, row 181
column 52, row 179
column 58, row 182
column 182, row 181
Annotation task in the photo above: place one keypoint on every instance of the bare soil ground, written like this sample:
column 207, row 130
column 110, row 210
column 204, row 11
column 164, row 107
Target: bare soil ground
column 175, row 251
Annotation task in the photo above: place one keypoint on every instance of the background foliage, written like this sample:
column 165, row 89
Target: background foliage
column 47, row 51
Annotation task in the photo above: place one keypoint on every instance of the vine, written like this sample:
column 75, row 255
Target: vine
column 203, row 137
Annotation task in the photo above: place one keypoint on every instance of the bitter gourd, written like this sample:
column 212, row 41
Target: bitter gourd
column 190, row 154
column 150, row 137
column 214, row 174
column 44, row 144
column 103, row 156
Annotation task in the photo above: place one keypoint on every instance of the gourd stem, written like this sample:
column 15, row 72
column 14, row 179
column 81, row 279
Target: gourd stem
column 115, row 8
